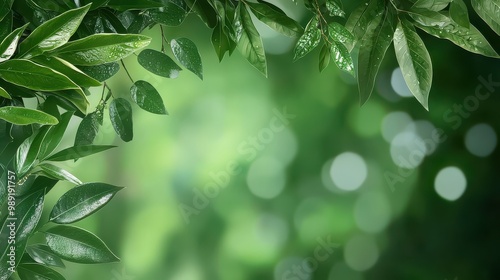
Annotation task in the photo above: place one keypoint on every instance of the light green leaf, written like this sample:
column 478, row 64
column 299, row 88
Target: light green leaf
column 433, row 5
column 275, row 18
column 68, row 69
column 28, row 151
column 77, row 152
column 249, row 40
column 187, row 54
column 414, row 60
column 101, row 48
column 4, row 93
column 42, row 254
column 38, row 272
column 489, row 11
column 372, row 50
column 9, row 45
column 53, row 33
column 361, row 18
column 334, row 8
column 55, row 172
column 78, row 245
column 54, row 135
column 309, row 40
column 324, row 57
column 120, row 113
column 158, row 63
column 459, row 13
column 24, row 116
column 147, row 97
column 341, row 57
column 82, row 201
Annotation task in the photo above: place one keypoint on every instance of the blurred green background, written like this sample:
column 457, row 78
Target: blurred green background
column 336, row 191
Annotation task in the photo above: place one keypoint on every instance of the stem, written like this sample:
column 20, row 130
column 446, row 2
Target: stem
column 126, row 71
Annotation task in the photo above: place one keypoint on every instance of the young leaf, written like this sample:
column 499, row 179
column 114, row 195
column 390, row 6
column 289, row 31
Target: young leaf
column 120, row 113
column 249, row 40
column 147, row 97
column 101, row 48
column 414, row 60
column 24, row 116
column 443, row 27
column 187, row 54
column 68, row 69
column 360, row 19
column 28, row 151
column 324, row 57
column 341, row 57
column 275, row 18
column 488, row 10
column 54, row 135
column 57, row 173
column 81, row 202
column 88, row 129
column 38, row 272
column 42, row 254
column 9, row 45
column 334, row 8
column 4, row 93
column 101, row 72
column 373, row 47
column 170, row 14
column 309, row 40
column 77, row 152
column 30, row 75
column 78, row 245
column 158, row 63
column 459, row 14
column 52, row 33
column 433, row 5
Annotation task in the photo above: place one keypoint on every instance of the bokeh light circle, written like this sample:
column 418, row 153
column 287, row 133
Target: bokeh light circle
column 266, row 177
column 361, row 252
column 398, row 83
column 481, row 140
column 348, row 171
column 372, row 212
column 394, row 123
column 450, row 183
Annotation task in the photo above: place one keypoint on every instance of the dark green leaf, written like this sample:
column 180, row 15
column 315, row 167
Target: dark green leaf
column 5, row 8
column 30, row 75
column 433, row 5
column 123, row 5
column 77, row 152
column 275, row 18
column 489, row 11
column 6, row 25
column 334, row 8
column 57, row 173
column 38, row 272
column 341, row 57
column 78, row 245
column 204, row 10
column 101, row 72
column 54, row 135
column 81, row 202
column 120, row 113
column 4, row 93
column 88, row 129
column 249, row 40
column 324, row 57
column 158, row 63
column 373, row 47
column 9, row 45
column 43, row 255
column 220, row 41
column 414, row 60
column 309, row 40
column 340, row 34
column 101, row 48
column 28, row 151
column 76, row 97
column 24, row 116
column 361, row 18
column 170, row 14
column 459, row 13
column 53, row 33
column 147, row 97
column 68, row 69
column 187, row 54
column 95, row 3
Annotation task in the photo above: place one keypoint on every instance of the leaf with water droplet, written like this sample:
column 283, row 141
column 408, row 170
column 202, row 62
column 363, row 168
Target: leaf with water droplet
column 309, row 40
column 158, row 63
column 147, row 97
column 275, row 18
column 187, row 54
column 334, row 8
column 120, row 113
column 489, row 11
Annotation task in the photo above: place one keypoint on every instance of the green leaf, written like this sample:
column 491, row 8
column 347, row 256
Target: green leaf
column 334, row 8
column 81, row 202
column 42, row 254
column 249, row 40
column 95, row 3
column 489, row 11
column 459, row 13
column 53, row 33
column 372, row 50
column 55, row 172
column 28, row 151
column 158, row 63
column 4, row 94
column 68, row 69
column 220, row 41
column 340, row 34
column 309, row 40
column 101, row 48
column 204, row 10
column 27, row 215
column 433, row 5
column 443, row 27
column 147, row 97
column 24, row 116
column 78, row 245
column 88, row 129
column 5, row 8
column 6, row 25
column 120, row 113
column 54, row 135
column 170, row 14
column 123, row 5
column 38, row 272
column 414, row 60
column 9, row 45
column 275, row 18
column 324, row 57
column 77, row 152
column 361, row 18
column 341, row 57
column 187, row 54
column 101, row 72
column 75, row 97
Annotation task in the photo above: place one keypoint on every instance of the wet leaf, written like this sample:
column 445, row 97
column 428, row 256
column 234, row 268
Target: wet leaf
column 57, row 173
column 158, row 63
column 186, row 52
column 9, row 45
column 77, row 152
column 309, row 40
column 24, row 116
column 120, row 113
column 38, row 272
column 275, row 18
column 489, row 11
column 147, row 97
column 42, row 254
